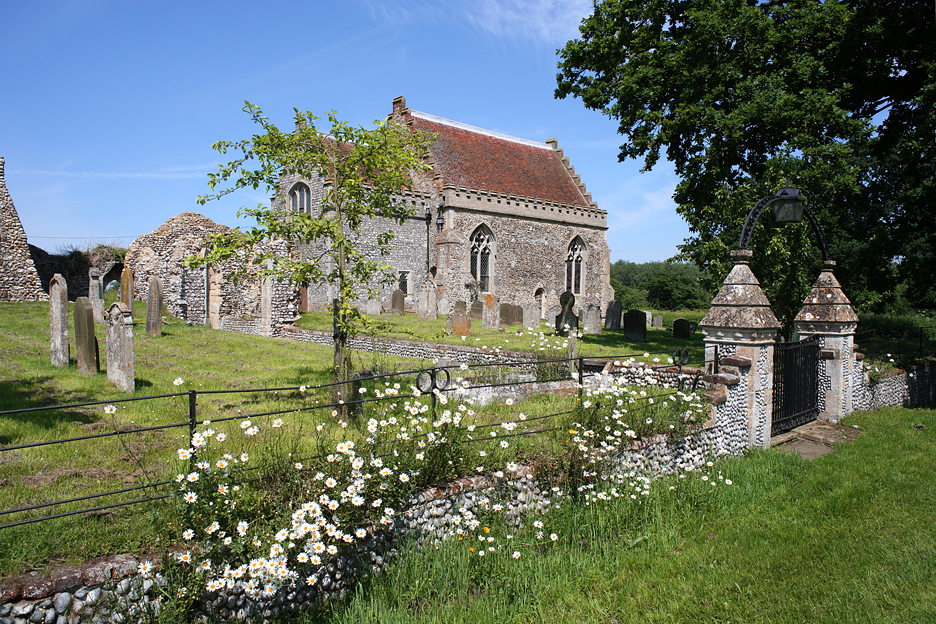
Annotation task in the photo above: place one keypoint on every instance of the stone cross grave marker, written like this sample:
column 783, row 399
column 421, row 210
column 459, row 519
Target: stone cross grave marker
column 426, row 303
column 490, row 312
column 461, row 306
column 126, row 289
column 613, row 315
column 566, row 320
column 154, row 307
column 635, row 326
column 658, row 321
column 681, row 329
column 120, row 370
column 475, row 310
column 96, row 293
column 592, row 321
column 58, row 320
column 396, row 302
column 506, row 314
column 86, row 344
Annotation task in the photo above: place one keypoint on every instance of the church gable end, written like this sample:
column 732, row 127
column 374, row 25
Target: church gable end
column 19, row 280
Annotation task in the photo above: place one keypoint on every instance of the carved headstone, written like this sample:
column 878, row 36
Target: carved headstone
column 692, row 327
column 566, row 320
column 96, row 293
column 553, row 312
column 154, row 307
column 658, row 321
column 372, row 308
column 530, row 311
column 126, row 289
column 591, row 324
column 490, row 312
column 635, row 326
column 681, row 329
column 506, row 314
column 475, row 310
column 461, row 306
column 58, row 320
column 426, row 305
column 120, row 370
column 86, row 345
column 461, row 324
column 396, row 302
column 649, row 316
column 613, row 315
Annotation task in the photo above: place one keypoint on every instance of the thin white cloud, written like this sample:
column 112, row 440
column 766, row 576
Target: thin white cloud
column 113, row 175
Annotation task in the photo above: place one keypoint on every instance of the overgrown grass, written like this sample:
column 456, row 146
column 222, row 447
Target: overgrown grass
column 849, row 537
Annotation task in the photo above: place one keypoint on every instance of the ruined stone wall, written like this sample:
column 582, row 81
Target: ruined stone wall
column 19, row 280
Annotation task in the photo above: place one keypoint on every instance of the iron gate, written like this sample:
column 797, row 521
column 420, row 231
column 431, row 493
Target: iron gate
column 795, row 384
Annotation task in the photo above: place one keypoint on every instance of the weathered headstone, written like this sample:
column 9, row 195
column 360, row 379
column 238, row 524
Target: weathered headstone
column 396, row 302
column 461, row 323
column 692, row 327
column 506, row 314
column 490, row 312
column 681, row 329
column 461, row 306
column 126, row 289
column 426, row 305
column 372, row 308
column 591, row 324
column 518, row 315
column 649, row 316
column 86, row 345
column 658, row 321
column 635, row 326
column 566, row 320
column 475, row 310
column 613, row 315
column 58, row 320
column 154, row 307
column 530, row 311
column 553, row 312
column 96, row 293
column 120, row 370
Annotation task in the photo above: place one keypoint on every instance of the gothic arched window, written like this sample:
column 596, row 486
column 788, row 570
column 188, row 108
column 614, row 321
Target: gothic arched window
column 482, row 242
column 300, row 199
column 575, row 266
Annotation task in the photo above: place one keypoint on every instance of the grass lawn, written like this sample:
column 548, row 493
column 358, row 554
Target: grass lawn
column 849, row 537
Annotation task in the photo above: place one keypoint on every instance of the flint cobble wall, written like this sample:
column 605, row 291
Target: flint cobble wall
column 19, row 280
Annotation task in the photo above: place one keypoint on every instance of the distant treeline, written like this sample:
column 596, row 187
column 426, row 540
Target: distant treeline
column 659, row 285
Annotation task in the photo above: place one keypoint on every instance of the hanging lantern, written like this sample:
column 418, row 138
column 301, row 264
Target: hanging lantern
column 787, row 206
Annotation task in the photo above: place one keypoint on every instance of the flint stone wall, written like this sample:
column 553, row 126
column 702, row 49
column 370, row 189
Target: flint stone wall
column 19, row 280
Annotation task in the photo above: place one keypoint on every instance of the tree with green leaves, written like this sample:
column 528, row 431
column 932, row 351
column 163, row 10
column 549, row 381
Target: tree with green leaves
column 363, row 173
column 838, row 97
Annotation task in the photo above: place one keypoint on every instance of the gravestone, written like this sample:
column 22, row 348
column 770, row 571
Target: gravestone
column 96, row 293
column 591, row 324
column 58, row 320
column 530, row 311
column 120, row 371
column 475, row 310
column 126, row 289
column 490, row 312
column 506, row 314
column 518, row 315
column 443, row 305
column 692, row 327
column 154, row 307
column 372, row 308
column 461, row 306
column 635, row 326
column 396, row 302
column 566, row 321
column 553, row 312
column 426, row 304
column 613, row 315
column 86, row 345
column 461, row 323
column 649, row 316
column 658, row 321
column 681, row 329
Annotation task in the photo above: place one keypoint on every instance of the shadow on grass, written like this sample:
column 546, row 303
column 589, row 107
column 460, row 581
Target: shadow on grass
column 39, row 392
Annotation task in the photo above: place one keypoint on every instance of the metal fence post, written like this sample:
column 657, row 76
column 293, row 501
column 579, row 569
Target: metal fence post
column 193, row 423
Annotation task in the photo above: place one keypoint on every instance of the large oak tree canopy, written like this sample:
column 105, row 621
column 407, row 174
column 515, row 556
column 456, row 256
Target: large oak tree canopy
column 837, row 96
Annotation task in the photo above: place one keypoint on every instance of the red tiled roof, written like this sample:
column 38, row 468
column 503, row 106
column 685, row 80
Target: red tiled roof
column 478, row 159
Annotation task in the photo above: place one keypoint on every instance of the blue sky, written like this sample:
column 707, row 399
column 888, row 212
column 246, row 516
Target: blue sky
column 110, row 108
